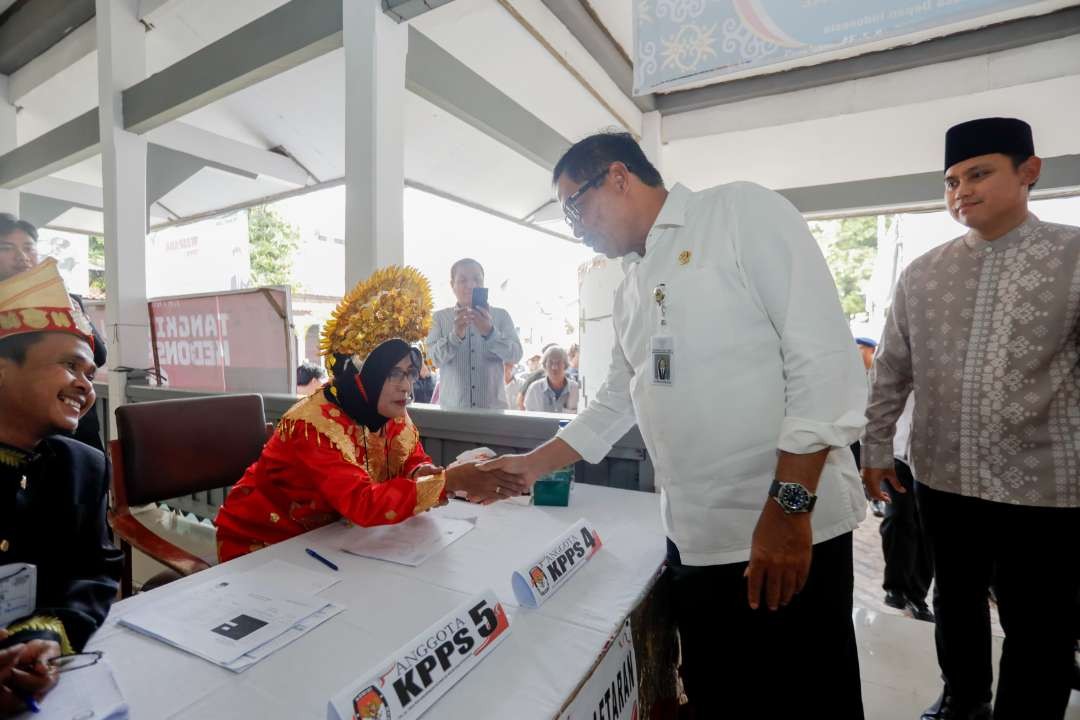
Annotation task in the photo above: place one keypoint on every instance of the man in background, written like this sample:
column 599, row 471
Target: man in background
column 471, row 343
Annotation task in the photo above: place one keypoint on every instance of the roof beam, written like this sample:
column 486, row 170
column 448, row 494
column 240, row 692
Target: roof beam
column 282, row 39
column 57, row 149
column 226, row 152
column 918, row 191
column 599, row 43
column 443, row 80
column 991, row 39
column 278, row 41
column 402, row 10
column 76, row 45
column 76, row 193
column 34, row 27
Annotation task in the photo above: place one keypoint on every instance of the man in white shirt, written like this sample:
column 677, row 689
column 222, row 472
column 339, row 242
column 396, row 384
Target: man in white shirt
column 470, row 344
column 733, row 357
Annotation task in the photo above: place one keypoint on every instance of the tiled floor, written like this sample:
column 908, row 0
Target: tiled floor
column 899, row 667
column 896, row 653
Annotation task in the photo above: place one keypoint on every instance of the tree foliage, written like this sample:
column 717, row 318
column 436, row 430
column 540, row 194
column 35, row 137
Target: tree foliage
column 850, row 248
column 272, row 243
column 96, row 258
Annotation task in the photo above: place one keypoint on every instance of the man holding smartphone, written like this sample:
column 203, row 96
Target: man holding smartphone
column 470, row 343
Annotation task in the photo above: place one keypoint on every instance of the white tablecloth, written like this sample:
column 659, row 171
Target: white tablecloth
column 532, row 674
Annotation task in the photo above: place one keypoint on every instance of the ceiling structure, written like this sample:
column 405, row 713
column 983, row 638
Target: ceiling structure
column 498, row 89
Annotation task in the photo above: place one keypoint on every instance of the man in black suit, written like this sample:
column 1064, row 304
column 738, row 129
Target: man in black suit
column 53, row 489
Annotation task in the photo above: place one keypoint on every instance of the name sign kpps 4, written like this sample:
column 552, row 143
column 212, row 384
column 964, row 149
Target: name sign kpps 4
column 536, row 582
column 413, row 678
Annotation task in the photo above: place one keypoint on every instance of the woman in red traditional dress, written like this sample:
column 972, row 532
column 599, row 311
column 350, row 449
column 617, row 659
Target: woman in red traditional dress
column 350, row 450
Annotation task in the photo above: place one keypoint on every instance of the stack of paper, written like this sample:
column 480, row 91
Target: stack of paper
column 237, row 620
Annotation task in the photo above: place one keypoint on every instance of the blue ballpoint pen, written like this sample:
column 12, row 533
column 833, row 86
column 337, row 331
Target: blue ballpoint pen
column 320, row 558
column 28, row 700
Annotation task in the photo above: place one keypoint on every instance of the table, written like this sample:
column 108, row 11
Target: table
column 534, row 673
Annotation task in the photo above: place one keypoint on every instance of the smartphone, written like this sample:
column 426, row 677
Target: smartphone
column 479, row 298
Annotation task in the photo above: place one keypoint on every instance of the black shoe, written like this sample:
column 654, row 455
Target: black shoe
column 920, row 611
column 878, row 508
column 946, row 709
column 896, row 599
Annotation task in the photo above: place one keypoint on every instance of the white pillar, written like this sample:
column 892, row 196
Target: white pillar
column 9, row 199
column 652, row 140
column 375, row 50
column 122, row 63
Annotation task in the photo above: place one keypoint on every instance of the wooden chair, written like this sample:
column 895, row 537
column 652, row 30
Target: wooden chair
column 171, row 448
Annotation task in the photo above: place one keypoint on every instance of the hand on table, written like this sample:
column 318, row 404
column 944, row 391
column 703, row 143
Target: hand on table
column 779, row 556
column 873, row 483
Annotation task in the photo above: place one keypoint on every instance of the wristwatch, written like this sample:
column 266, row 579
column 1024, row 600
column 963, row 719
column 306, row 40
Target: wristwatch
column 792, row 497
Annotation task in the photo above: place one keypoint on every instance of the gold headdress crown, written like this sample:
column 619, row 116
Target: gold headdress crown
column 395, row 302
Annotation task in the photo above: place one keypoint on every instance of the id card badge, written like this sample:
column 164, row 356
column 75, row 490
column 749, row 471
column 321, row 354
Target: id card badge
column 663, row 353
column 18, row 591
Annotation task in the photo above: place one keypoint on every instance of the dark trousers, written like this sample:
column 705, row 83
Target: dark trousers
column 1030, row 554
column 908, row 567
column 799, row 661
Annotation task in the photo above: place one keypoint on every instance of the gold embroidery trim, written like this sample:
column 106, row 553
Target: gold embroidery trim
column 428, row 491
column 12, row 458
column 47, row 623
column 403, row 447
column 309, row 411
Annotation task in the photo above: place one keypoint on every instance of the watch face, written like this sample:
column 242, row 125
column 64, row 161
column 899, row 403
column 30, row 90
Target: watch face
column 793, row 496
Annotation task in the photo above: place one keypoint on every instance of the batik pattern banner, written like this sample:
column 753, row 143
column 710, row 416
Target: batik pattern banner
column 685, row 41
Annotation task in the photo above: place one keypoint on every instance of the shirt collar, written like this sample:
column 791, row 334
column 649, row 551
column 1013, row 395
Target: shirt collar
column 672, row 214
column 974, row 243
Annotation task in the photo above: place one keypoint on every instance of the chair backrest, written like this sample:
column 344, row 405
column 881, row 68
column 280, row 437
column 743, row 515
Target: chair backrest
column 173, row 448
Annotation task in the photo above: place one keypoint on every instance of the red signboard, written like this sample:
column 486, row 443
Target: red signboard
column 238, row 341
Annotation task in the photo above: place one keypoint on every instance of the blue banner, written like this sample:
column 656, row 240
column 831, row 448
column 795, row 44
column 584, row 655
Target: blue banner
column 681, row 41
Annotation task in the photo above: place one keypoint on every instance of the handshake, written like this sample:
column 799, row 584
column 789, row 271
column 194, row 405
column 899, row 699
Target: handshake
column 483, row 478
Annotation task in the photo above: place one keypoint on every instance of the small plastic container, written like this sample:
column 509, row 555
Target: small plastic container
column 554, row 488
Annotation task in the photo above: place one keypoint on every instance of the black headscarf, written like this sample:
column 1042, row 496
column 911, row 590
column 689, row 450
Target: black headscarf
column 358, row 392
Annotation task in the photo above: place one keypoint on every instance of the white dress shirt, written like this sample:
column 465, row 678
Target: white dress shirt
column 763, row 360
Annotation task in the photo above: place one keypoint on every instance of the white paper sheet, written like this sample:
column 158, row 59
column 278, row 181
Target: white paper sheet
column 18, row 591
column 89, row 692
column 223, row 619
column 407, row 543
